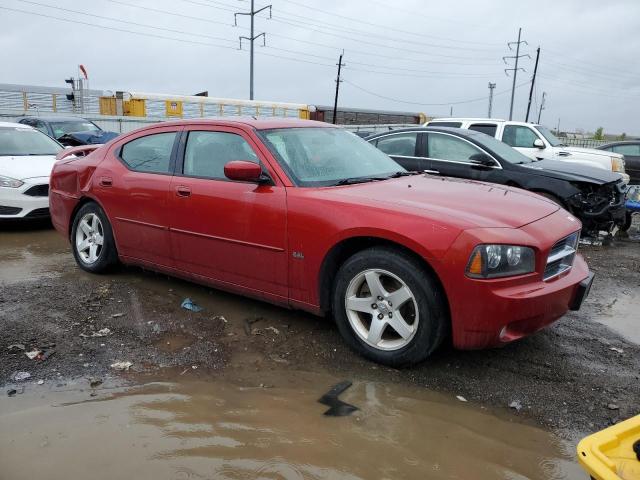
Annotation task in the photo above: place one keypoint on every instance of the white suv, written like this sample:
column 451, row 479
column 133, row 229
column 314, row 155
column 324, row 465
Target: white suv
column 536, row 142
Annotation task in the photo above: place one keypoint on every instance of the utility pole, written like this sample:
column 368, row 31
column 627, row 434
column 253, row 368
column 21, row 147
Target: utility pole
column 533, row 82
column 515, row 68
column 335, row 101
column 451, row 111
column 491, row 87
column 251, row 38
column 544, row 96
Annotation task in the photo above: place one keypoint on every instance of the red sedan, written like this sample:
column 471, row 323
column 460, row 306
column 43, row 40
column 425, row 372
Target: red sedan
column 311, row 217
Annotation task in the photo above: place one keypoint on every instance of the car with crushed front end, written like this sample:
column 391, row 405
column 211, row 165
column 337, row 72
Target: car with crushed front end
column 26, row 159
column 309, row 216
column 70, row 131
column 594, row 195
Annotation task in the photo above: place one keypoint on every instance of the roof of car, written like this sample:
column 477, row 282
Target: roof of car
column 258, row 124
column 57, row 118
column 13, row 125
column 620, row 142
column 492, row 120
column 418, row 128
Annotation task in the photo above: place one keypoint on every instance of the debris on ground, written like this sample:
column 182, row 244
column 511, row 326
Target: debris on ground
column 21, row 376
column 33, row 354
column 461, row 398
column 337, row 408
column 121, row 366
column 516, row 405
column 278, row 359
column 616, row 349
column 612, row 406
column 11, row 392
column 16, row 347
column 248, row 322
column 220, row 317
column 273, row 329
column 95, row 382
column 100, row 333
column 117, row 315
column 40, row 382
column 189, row 304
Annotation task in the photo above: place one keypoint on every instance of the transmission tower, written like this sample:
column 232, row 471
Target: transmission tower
column 251, row 38
column 491, row 87
column 515, row 69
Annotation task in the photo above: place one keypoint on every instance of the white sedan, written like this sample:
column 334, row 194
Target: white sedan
column 26, row 159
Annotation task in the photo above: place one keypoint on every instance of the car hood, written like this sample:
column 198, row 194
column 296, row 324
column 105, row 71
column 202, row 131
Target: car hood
column 87, row 138
column 587, row 152
column 466, row 203
column 28, row 166
column 573, row 172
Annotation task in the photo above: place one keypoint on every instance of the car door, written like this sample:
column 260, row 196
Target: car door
column 631, row 152
column 451, row 156
column 522, row 138
column 229, row 231
column 404, row 148
column 133, row 185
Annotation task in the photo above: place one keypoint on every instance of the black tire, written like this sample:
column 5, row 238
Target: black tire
column 433, row 321
column 107, row 255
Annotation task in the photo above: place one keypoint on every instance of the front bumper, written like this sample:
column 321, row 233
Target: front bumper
column 487, row 313
column 609, row 212
column 17, row 203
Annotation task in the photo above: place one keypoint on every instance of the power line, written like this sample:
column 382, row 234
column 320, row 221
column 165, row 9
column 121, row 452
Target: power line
column 474, row 100
column 299, row 40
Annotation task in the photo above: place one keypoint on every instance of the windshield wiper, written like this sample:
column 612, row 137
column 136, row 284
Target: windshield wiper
column 353, row 180
column 403, row 174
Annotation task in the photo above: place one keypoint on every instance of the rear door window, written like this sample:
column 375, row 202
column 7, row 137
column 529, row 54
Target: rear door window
column 400, row 144
column 150, row 154
column 519, row 136
column 207, row 153
column 488, row 128
column 447, row 147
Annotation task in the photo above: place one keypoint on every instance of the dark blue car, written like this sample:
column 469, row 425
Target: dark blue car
column 70, row 131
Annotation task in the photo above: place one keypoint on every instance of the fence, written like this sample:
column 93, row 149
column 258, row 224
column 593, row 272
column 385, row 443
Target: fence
column 583, row 142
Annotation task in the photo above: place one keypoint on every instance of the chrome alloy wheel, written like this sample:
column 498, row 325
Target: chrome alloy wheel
column 381, row 309
column 89, row 238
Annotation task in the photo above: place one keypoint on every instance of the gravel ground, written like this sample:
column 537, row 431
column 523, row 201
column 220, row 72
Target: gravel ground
column 575, row 377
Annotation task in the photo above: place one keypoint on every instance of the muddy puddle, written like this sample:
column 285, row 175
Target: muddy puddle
column 31, row 253
column 236, row 429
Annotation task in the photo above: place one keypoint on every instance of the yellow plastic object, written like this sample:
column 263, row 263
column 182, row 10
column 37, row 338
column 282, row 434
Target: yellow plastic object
column 173, row 108
column 135, row 107
column 609, row 454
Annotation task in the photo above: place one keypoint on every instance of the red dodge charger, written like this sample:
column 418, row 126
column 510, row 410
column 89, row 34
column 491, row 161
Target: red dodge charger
column 309, row 216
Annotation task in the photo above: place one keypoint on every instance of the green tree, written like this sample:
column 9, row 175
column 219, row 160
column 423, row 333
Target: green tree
column 599, row 135
column 623, row 136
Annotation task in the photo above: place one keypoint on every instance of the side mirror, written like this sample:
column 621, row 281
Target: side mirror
column 538, row 143
column 482, row 160
column 243, row 171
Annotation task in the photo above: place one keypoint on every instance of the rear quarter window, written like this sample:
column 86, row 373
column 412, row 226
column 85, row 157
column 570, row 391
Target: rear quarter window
column 150, row 154
column 488, row 129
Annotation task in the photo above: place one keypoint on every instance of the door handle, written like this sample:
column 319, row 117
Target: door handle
column 106, row 181
column 183, row 191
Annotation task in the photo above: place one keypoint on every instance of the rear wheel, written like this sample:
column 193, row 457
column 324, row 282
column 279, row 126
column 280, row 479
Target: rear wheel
column 388, row 307
column 92, row 239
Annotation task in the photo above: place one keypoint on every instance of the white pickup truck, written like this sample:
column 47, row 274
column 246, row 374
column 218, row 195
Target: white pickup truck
column 536, row 142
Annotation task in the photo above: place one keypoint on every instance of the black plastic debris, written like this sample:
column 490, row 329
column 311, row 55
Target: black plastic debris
column 337, row 408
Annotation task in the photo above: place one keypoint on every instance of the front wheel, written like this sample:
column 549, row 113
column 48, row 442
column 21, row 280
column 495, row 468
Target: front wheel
column 388, row 307
column 92, row 239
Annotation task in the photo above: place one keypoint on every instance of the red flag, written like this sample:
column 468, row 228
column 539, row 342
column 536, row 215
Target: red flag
column 84, row 72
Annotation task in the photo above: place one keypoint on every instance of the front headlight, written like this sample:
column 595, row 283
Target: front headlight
column 617, row 164
column 494, row 261
column 10, row 182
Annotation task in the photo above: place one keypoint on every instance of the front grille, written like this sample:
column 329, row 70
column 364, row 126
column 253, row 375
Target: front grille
column 38, row 191
column 561, row 256
column 9, row 210
column 38, row 213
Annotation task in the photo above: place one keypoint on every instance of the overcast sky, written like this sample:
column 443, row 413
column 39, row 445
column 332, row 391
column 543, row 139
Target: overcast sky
column 406, row 55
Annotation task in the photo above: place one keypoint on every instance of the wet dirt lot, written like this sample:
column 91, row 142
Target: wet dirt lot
column 231, row 391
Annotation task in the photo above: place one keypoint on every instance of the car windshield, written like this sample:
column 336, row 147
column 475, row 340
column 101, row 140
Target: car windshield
column 328, row 156
column 21, row 141
column 501, row 149
column 62, row 128
column 551, row 138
